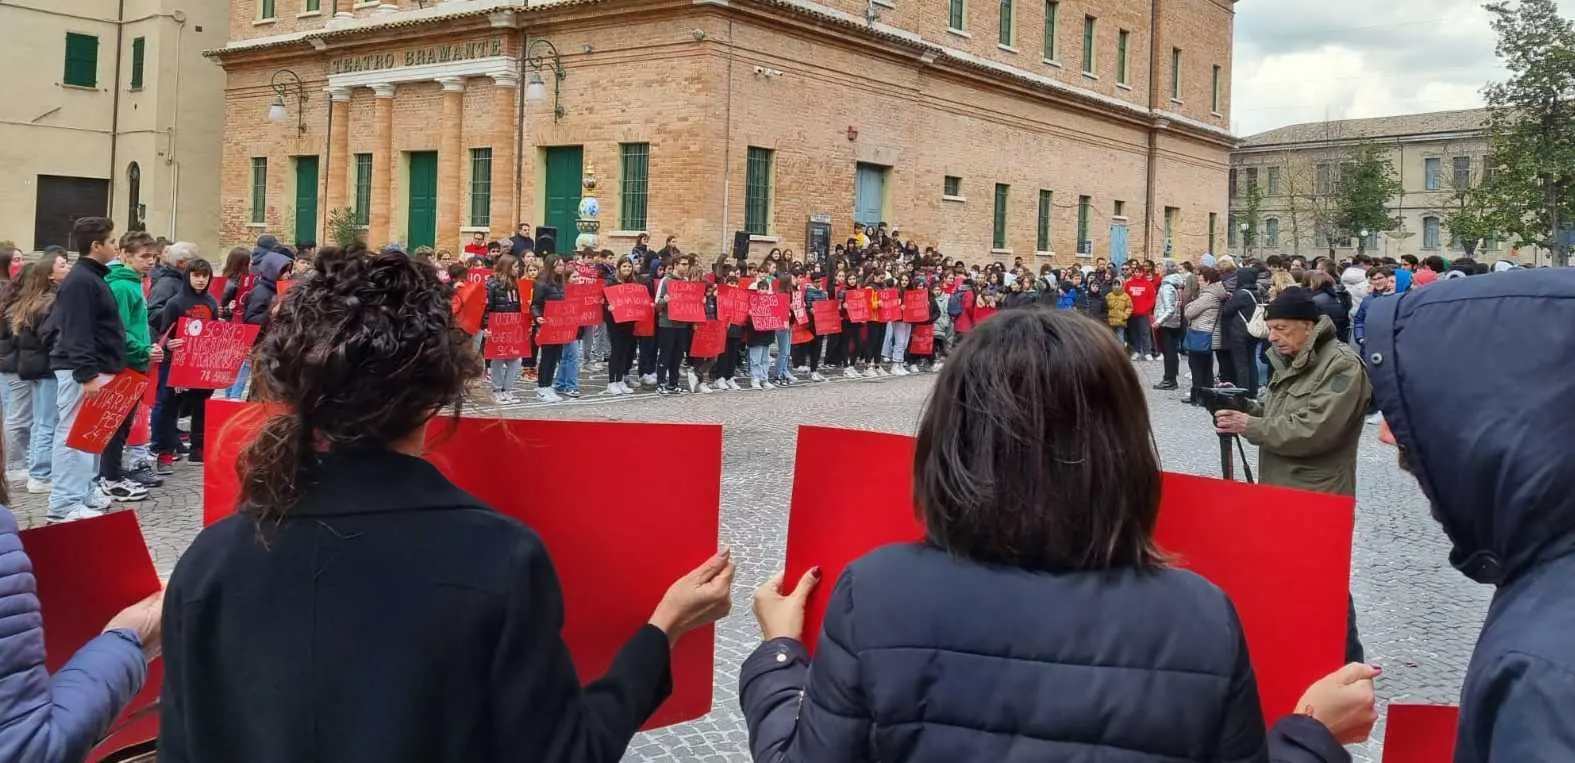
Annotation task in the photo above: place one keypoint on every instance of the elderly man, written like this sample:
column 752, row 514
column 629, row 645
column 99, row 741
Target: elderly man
column 1308, row 430
column 169, row 275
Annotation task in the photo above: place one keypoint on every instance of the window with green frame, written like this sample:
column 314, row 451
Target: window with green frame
column 1216, row 90
column 1052, row 9
column 1042, row 231
column 312, row 6
column 1175, row 74
column 266, row 9
column 757, row 192
column 998, row 239
column 1005, row 37
column 952, row 186
column 957, row 15
column 1213, row 223
column 259, row 190
column 1123, row 41
column 363, row 189
column 480, row 187
column 81, row 60
column 139, row 51
column 1089, row 25
column 635, row 185
column 1085, row 205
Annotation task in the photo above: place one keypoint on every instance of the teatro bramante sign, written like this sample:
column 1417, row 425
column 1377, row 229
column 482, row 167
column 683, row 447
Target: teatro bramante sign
column 432, row 54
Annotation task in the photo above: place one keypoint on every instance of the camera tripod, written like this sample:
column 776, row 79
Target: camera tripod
column 1227, row 459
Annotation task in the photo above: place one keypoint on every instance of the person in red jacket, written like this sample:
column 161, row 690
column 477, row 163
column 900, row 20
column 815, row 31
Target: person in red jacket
column 1139, row 332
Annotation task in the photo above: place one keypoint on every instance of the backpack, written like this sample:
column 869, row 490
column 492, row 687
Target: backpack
column 954, row 305
column 1258, row 324
column 242, row 292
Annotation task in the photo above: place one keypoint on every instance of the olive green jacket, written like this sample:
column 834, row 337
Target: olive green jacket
column 1309, row 428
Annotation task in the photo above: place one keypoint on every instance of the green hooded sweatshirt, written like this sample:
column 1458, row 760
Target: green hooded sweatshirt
column 126, row 285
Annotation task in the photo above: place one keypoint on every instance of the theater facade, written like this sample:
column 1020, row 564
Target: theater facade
column 992, row 129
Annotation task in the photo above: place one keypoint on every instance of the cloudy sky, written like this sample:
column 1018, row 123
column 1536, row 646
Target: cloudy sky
column 1310, row 60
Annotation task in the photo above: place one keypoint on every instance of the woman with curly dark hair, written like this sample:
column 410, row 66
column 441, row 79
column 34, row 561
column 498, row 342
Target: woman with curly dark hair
column 360, row 607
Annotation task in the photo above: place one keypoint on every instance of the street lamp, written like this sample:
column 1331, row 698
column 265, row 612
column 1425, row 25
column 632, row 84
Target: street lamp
column 1361, row 245
column 541, row 54
column 282, row 82
column 1244, row 228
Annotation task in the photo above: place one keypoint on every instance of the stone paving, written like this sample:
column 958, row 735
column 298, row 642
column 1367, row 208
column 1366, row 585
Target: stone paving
column 1418, row 617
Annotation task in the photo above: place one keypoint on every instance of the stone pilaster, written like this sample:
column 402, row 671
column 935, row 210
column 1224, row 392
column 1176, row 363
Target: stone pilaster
column 384, row 164
column 450, row 148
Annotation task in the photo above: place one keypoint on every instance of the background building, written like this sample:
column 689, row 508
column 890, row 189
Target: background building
column 988, row 127
column 1296, row 171
column 110, row 109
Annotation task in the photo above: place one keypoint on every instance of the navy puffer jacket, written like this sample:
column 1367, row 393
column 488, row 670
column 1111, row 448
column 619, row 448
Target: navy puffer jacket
column 930, row 658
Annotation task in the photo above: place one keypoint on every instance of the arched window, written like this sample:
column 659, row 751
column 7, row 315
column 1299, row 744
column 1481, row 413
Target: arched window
column 134, row 197
column 1271, row 232
column 1429, row 233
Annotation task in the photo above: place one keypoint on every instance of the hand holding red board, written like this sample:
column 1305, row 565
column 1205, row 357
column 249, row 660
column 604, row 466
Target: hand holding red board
column 828, row 317
column 685, row 301
column 562, row 324
column 1420, row 733
column 507, row 337
column 768, row 310
column 915, row 306
column 857, row 303
column 210, row 354
column 629, row 302
column 103, row 411
column 890, row 305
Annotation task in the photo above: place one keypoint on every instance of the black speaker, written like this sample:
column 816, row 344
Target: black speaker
column 546, row 240
column 741, row 245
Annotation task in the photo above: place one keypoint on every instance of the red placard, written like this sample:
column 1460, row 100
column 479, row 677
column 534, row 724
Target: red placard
column 828, row 317
column 609, row 593
column 768, row 310
column 508, row 337
column 800, row 307
column 211, row 354
column 103, row 412
column 802, row 334
column 709, row 340
column 1420, row 733
column 478, row 275
column 79, row 593
column 746, row 282
column 216, row 286
column 646, row 327
column 629, row 302
column 857, row 303
column 922, row 340
column 732, row 304
column 469, row 303
column 685, row 301
column 890, row 306
column 562, row 324
column 587, row 298
column 915, row 306
column 587, row 270
column 283, row 285
column 1253, row 541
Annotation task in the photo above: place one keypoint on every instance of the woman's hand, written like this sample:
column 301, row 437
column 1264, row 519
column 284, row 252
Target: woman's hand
column 699, row 598
column 783, row 616
column 1345, row 701
column 145, row 618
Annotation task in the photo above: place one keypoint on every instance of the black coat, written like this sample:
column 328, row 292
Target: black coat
column 90, row 339
column 1238, row 310
column 391, row 618
column 1329, row 303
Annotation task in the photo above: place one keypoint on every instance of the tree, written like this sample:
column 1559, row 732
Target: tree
column 342, row 229
column 1251, row 207
column 1472, row 219
column 1531, row 123
column 1367, row 187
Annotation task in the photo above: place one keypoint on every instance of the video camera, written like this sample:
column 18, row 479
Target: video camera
column 1216, row 399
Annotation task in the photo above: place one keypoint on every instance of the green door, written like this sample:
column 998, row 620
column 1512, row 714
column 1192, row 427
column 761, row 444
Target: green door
column 422, row 230
column 305, row 199
column 565, row 169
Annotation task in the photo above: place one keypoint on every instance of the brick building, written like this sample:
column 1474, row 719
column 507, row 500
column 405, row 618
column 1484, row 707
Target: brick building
column 988, row 127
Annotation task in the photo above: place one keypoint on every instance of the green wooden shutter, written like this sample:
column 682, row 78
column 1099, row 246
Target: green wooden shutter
column 1006, row 23
column 998, row 240
column 138, row 52
column 757, row 192
column 81, row 60
column 1123, row 39
column 635, row 185
column 1084, row 206
column 1051, row 9
column 363, row 189
column 1042, row 239
column 480, row 187
column 1088, row 44
column 259, row 189
column 955, row 19
column 267, row 9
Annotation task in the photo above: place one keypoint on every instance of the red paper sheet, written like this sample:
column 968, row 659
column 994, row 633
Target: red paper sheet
column 1254, row 542
column 915, row 306
column 508, row 337
column 587, row 298
column 890, row 306
column 857, row 303
column 802, row 334
column 768, row 310
column 470, row 301
column 709, row 339
column 478, row 275
column 79, row 593
column 685, row 301
column 922, row 340
column 284, row 285
column 103, row 412
column 732, row 304
column 211, row 355
column 828, row 317
column 562, row 325
column 800, row 306
column 1420, row 733
column 608, row 591
column 629, row 302
column 216, row 287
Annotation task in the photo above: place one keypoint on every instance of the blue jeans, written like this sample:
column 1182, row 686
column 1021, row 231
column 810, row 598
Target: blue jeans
column 568, row 377
column 895, row 347
column 784, row 354
column 73, row 469
column 162, row 438
column 759, row 362
column 1121, row 335
column 18, row 420
column 40, row 452
column 235, row 390
column 1141, row 334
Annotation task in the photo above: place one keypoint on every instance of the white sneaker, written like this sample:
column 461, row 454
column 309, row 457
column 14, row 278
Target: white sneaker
column 732, row 384
column 768, row 384
column 613, row 389
column 914, row 368
column 1136, row 356
column 852, row 373
column 694, row 382
column 38, row 487
column 125, row 491
column 705, row 389
column 816, row 377
column 648, row 380
column 499, row 398
column 899, row 370
column 755, row 384
column 97, row 499
column 802, row 369
column 80, row 512
column 544, row 394
column 937, row 366
column 624, row 388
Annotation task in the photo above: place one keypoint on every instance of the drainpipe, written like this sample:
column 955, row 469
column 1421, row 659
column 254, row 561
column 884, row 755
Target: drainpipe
column 169, row 157
column 727, row 143
column 114, row 117
column 1153, row 131
column 519, row 132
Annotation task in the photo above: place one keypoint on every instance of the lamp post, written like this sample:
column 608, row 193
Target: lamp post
column 1244, row 228
column 282, row 83
column 1361, row 245
column 541, row 54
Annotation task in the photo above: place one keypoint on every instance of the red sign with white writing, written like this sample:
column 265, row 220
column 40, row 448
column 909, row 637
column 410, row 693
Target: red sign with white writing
column 507, row 337
column 732, row 304
column 768, row 310
column 857, row 303
column 587, row 299
column 890, row 305
column 915, row 306
column 478, row 275
column 709, row 339
column 562, row 324
column 629, row 302
column 103, row 411
column 685, row 301
column 210, row 354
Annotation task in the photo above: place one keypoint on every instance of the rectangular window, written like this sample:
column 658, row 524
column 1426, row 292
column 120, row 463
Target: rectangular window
column 1271, row 233
column 139, row 50
column 363, row 189
column 1487, row 170
column 1042, row 230
column 1235, row 188
column 1052, row 8
column 1230, row 233
column 998, row 240
column 1123, row 40
column 480, row 187
column 1462, row 172
column 259, row 189
column 1216, row 91
column 1089, row 23
column 1175, row 74
column 1432, row 171
column 81, row 60
column 1006, row 23
column 952, row 186
column 757, row 192
column 1119, row 209
column 957, row 17
column 1252, row 178
column 1085, row 205
column 313, row 6
column 1274, row 181
column 1213, row 223
column 636, row 185
column 265, row 9
column 1430, row 233
column 1170, row 228
column 1324, row 182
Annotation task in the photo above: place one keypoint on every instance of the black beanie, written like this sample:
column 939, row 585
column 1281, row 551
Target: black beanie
column 1293, row 304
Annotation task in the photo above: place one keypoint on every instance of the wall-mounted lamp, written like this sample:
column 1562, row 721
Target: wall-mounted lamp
column 282, row 81
column 542, row 54
column 761, row 71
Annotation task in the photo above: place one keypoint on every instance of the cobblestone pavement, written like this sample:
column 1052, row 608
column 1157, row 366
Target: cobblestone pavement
column 1418, row 617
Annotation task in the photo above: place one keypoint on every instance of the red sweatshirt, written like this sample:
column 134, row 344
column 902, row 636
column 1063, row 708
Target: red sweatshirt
column 1143, row 295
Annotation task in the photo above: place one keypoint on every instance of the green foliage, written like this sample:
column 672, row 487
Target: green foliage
column 1367, row 185
column 342, row 229
column 1472, row 219
column 1251, row 206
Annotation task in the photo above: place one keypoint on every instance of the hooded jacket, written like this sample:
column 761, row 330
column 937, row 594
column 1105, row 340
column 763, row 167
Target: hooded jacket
column 1167, row 306
column 1239, row 308
column 1120, row 309
column 269, row 267
column 89, row 337
column 165, row 282
column 187, row 303
column 126, row 285
column 1309, row 428
column 1500, row 475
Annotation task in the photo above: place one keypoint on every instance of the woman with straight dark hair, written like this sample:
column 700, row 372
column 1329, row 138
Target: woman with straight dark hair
column 236, row 265
column 620, row 336
column 503, row 296
column 358, row 606
column 549, row 288
column 1037, row 620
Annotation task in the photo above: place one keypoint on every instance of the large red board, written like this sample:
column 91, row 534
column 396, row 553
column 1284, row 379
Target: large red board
column 103, row 411
column 79, row 593
column 589, row 525
column 211, row 353
column 685, row 301
column 629, row 302
column 562, row 324
column 1420, row 733
column 1282, row 555
column 508, row 337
